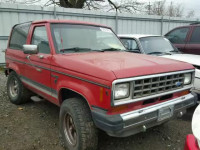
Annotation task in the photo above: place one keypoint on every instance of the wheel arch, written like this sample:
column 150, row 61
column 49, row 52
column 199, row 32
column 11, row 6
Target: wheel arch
column 8, row 71
column 66, row 93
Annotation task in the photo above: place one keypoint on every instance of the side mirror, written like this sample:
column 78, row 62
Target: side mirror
column 30, row 49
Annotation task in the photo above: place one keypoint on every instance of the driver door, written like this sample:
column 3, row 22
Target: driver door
column 38, row 66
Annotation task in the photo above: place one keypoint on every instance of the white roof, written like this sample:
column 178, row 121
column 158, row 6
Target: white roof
column 137, row 36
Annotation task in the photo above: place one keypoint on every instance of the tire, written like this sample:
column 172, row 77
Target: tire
column 84, row 136
column 17, row 93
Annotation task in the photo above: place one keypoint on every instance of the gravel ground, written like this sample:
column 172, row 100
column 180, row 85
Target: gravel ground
column 34, row 126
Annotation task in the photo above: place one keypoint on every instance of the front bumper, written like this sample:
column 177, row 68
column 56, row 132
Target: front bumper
column 136, row 121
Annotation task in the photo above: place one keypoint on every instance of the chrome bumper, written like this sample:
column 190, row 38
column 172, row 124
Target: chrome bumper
column 133, row 122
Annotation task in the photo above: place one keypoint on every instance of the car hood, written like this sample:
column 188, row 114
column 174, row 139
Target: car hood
column 112, row 65
column 189, row 58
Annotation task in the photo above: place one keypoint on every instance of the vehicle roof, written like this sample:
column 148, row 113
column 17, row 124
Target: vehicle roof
column 137, row 36
column 67, row 21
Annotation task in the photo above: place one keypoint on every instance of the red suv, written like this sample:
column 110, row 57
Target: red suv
column 85, row 69
column 186, row 38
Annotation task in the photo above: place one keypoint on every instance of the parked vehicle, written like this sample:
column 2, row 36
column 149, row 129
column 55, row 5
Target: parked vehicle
column 96, row 83
column 186, row 38
column 160, row 46
column 193, row 140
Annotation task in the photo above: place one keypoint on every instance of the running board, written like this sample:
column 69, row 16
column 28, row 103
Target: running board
column 36, row 99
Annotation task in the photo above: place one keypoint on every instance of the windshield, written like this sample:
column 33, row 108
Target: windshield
column 156, row 45
column 83, row 38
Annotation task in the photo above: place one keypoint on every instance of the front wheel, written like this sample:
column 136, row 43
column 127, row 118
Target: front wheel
column 76, row 126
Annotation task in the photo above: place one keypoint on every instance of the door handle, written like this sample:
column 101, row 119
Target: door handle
column 39, row 70
column 41, row 56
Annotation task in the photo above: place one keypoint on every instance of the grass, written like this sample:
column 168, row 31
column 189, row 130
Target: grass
column 1, row 68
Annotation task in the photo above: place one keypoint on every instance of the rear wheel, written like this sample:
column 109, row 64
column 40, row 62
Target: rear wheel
column 17, row 93
column 76, row 126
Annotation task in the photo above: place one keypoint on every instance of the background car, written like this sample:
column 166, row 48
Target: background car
column 160, row 46
column 193, row 140
column 186, row 38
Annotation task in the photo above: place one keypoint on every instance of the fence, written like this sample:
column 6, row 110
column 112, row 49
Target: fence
column 11, row 14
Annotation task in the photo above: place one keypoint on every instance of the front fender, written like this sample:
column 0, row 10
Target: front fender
column 95, row 95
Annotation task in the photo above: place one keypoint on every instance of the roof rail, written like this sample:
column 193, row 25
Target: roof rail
column 22, row 23
column 195, row 23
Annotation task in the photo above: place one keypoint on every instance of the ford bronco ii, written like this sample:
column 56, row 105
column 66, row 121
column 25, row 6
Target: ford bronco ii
column 85, row 69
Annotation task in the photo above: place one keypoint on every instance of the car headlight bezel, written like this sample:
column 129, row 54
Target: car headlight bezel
column 121, row 91
column 187, row 78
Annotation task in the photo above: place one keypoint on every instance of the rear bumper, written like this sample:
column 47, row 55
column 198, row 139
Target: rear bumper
column 133, row 122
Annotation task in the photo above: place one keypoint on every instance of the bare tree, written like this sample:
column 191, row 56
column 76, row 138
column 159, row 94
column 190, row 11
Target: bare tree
column 107, row 5
column 157, row 8
column 161, row 8
column 174, row 10
column 190, row 14
column 22, row 2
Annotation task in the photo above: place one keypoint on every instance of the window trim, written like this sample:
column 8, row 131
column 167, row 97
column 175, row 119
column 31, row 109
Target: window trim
column 122, row 38
column 32, row 33
column 9, row 40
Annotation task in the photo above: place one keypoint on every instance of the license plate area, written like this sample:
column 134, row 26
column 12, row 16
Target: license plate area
column 165, row 113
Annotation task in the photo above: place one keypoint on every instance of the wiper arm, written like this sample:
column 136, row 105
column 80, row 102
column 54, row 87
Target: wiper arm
column 156, row 52
column 76, row 49
column 110, row 49
column 174, row 51
column 133, row 50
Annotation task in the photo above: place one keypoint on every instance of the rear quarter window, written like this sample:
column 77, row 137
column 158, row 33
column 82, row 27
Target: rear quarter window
column 18, row 36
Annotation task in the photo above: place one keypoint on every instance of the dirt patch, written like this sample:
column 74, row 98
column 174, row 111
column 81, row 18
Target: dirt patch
column 34, row 126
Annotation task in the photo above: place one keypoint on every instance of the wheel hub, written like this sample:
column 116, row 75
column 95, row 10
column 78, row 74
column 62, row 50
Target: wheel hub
column 70, row 130
column 14, row 87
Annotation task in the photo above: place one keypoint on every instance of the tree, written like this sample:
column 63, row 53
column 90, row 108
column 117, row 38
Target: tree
column 107, row 5
column 162, row 9
column 22, row 2
column 175, row 10
column 157, row 8
column 190, row 14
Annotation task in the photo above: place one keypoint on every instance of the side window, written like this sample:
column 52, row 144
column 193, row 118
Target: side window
column 41, row 40
column 195, row 38
column 18, row 36
column 178, row 36
column 130, row 44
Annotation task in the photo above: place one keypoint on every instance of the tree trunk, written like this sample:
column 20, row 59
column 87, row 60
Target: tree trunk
column 72, row 3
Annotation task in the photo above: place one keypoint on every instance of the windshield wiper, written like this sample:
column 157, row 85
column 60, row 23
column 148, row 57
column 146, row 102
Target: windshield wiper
column 176, row 51
column 133, row 50
column 110, row 49
column 76, row 49
column 164, row 53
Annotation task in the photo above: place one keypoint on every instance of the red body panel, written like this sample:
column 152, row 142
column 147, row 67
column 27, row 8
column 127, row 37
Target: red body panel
column 191, row 143
column 89, row 74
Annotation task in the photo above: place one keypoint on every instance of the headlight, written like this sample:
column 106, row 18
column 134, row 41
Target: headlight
column 198, row 143
column 121, row 90
column 187, row 78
